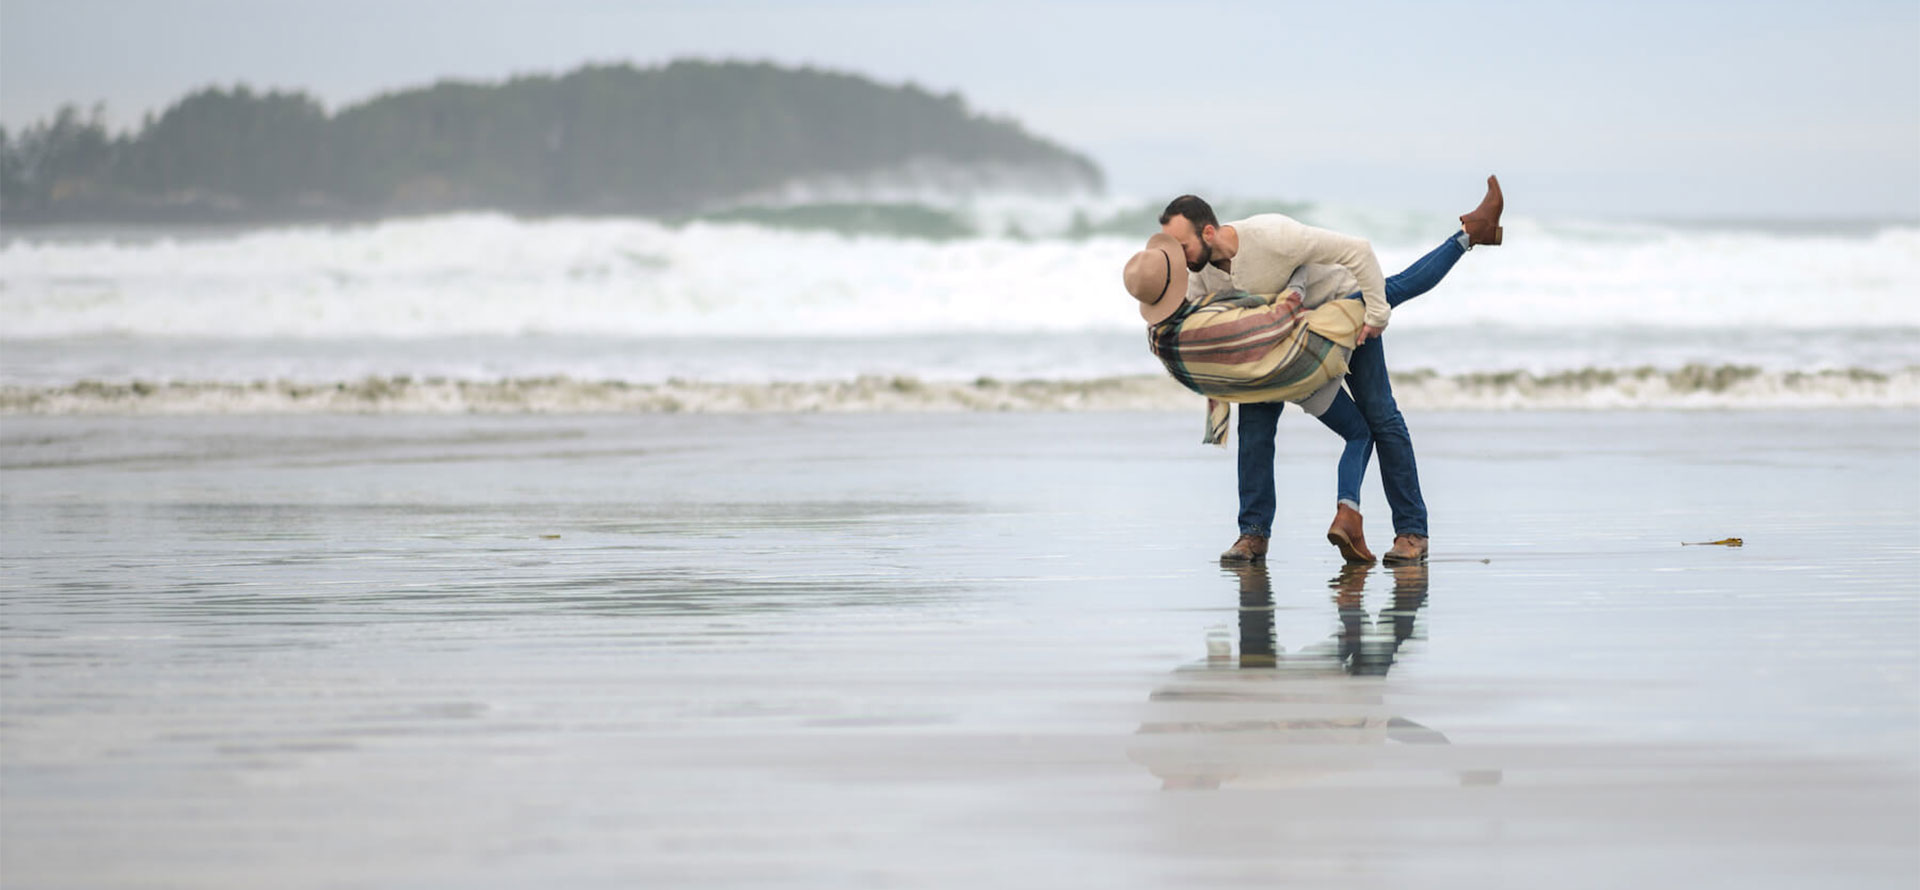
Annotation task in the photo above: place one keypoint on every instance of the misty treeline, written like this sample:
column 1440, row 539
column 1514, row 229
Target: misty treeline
column 600, row 139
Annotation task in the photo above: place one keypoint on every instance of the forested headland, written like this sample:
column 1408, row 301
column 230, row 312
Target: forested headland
column 682, row 138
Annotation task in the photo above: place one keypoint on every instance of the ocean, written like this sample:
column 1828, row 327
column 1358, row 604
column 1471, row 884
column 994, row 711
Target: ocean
column 1008, row 303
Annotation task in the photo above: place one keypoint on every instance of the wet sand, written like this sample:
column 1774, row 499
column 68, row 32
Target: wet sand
column 951, row 651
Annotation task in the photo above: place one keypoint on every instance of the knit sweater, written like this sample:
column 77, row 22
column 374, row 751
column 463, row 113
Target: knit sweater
column 1272, row 246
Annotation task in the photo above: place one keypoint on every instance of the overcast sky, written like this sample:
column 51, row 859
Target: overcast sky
column 1623, row 108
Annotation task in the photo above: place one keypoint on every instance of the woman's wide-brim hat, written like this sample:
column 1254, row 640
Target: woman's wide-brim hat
column 1157, row 277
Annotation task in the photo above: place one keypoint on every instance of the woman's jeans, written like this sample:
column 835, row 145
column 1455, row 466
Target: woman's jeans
column 1373, row 401
column 1344, row 417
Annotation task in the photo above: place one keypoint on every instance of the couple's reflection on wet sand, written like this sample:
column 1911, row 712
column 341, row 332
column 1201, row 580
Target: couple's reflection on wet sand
column 1273, row 718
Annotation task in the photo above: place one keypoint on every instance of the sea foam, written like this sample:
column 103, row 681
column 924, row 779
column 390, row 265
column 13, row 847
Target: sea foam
column 1692, row 387
column 491, row 275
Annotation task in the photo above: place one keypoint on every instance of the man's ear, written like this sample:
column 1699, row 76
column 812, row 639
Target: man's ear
column 1207, row 232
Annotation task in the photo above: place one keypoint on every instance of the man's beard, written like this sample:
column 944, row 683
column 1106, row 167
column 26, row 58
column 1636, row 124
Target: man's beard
column 1206, row 256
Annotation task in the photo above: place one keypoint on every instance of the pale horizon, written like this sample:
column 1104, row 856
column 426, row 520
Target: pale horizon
column 1715, row 112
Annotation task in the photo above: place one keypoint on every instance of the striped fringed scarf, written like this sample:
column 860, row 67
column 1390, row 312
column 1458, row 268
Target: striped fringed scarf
column 1238, row 347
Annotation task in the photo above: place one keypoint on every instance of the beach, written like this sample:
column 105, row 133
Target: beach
column 597, row 445
column 952, row 650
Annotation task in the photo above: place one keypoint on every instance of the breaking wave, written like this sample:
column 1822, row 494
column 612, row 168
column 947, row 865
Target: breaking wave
column 750, row 276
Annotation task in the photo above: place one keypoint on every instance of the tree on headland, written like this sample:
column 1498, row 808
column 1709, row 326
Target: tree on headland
column 614, row 138
column 55, row 160
column 265, row 148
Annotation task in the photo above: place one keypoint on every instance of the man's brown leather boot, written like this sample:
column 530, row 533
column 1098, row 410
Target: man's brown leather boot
column 1349, row 534
column 1483, row 224
column 1249, row 548
column 1408, row 550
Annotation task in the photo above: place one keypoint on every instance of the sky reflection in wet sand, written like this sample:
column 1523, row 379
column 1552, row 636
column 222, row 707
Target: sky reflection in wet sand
column 950, row 651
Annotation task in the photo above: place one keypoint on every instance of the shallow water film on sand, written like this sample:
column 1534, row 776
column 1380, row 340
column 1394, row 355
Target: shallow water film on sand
column 954, row 650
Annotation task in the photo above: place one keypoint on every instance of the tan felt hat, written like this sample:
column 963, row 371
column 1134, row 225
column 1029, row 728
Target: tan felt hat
column 1157, row 277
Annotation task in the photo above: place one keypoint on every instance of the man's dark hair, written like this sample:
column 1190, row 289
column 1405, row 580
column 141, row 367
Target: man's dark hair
column 1198, row 212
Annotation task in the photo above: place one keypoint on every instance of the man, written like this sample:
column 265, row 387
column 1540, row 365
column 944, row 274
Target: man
column 1257, row 255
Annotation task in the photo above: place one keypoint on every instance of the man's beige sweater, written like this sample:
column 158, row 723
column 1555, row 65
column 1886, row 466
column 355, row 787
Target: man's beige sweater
column 1272, row 246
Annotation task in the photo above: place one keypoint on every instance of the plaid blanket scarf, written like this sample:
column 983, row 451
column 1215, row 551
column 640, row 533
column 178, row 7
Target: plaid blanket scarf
column 1233, row 346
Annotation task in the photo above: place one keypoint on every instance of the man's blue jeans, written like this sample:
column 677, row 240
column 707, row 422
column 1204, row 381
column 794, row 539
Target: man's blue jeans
column 1373, row 394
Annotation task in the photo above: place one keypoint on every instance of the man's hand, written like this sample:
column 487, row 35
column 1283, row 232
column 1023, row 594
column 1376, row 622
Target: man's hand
column 1367, row 332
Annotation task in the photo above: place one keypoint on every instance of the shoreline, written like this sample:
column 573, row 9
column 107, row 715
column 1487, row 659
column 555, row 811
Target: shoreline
column 1691, row 388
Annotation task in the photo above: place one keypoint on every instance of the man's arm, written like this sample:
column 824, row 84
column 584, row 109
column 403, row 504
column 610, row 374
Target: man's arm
column 1273, row 245
column 1326, row 246
column 1320, row 282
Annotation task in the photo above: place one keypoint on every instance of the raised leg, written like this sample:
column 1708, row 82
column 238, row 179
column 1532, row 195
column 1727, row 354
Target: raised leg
column 1426, row 271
